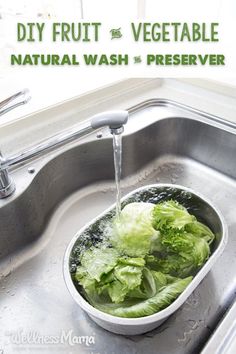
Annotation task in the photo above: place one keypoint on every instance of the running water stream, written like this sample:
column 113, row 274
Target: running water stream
column 117, row 150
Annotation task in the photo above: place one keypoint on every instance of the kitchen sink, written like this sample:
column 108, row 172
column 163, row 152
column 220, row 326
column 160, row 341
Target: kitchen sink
column 57, row 194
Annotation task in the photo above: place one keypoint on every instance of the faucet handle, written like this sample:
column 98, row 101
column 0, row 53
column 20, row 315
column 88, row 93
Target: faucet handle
column 113, row 119
column 16, row 100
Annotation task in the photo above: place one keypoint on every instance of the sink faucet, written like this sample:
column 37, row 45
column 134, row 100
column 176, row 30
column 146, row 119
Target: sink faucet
column 113, row 119
column 7, row 187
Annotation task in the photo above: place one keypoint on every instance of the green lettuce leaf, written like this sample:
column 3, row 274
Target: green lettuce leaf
column 184, row 253
column 88, row 283
column 99, row 261
column 152, row 282
column 147, row 307
column 126, row 278
column 198, row 229
column 186, row 245
column 133, row 233
column 173, row 265
column 138, row 262
column 171, row 214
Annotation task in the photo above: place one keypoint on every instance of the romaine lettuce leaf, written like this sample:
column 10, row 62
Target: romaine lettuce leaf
column 147, row 307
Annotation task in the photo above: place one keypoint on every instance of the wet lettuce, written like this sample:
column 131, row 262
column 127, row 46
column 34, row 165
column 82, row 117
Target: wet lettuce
column 150, row 257
column 159, row 301
column 171, row 214
column 133, row 232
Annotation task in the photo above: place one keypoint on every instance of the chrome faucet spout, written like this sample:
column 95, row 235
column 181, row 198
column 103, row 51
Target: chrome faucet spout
column 113, row 119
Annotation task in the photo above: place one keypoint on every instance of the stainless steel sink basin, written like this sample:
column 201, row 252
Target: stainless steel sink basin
column 163, row 143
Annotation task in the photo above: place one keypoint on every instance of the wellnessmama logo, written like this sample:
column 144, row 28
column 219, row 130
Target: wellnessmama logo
column 34, row 338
